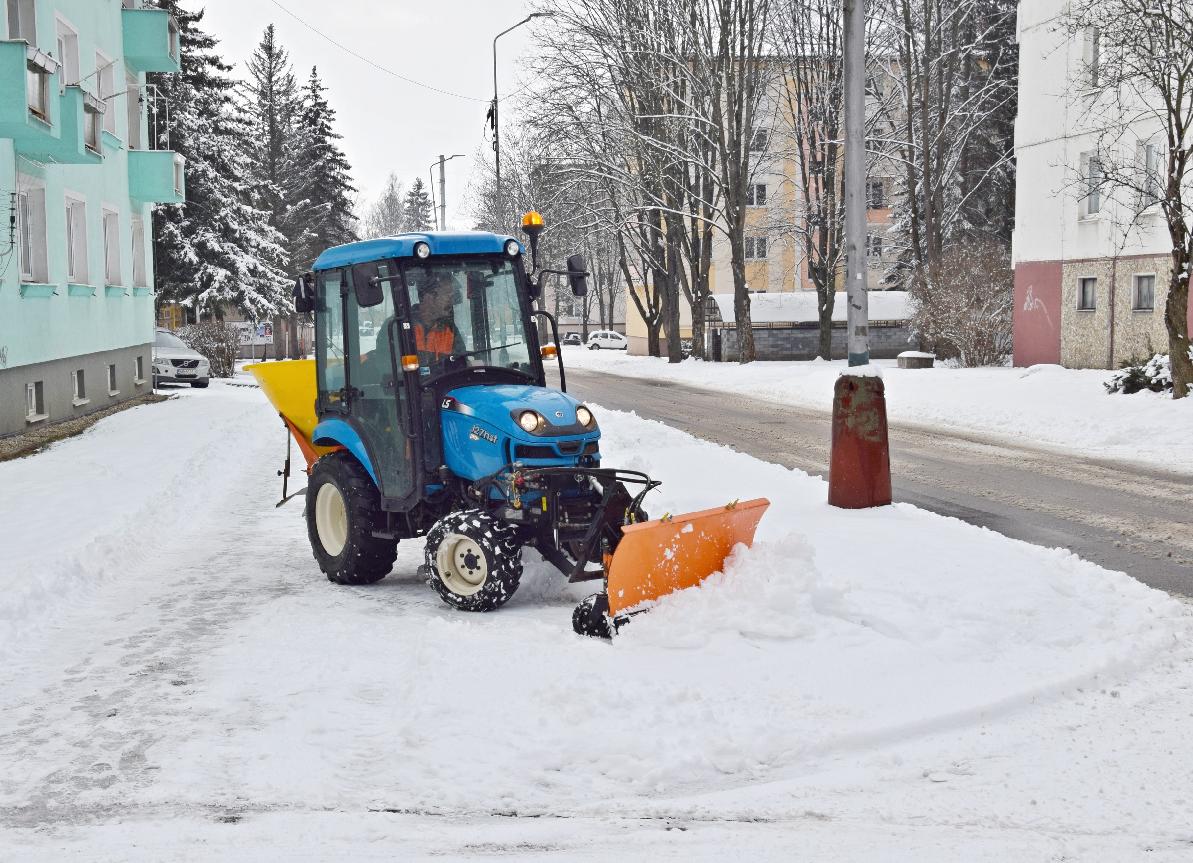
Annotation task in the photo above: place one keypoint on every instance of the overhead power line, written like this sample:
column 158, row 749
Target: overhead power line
column 373, row 63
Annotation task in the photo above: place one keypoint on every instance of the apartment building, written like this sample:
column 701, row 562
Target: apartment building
column 1092, row 262
column 79, row 174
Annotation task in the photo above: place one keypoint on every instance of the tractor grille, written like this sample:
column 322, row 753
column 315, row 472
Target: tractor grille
column 565, row 448
column 185, row 364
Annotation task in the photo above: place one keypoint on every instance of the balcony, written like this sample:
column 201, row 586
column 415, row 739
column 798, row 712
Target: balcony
column 44, row 124
column 150, row 40
column 156, row 177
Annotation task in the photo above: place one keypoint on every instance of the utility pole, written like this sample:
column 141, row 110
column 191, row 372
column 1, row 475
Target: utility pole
column 858, row 321
column 441, row 205
column 493, row 106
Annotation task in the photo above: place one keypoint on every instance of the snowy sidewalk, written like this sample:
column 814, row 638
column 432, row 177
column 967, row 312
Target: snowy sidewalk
column 882, row 685
column 1041, row 406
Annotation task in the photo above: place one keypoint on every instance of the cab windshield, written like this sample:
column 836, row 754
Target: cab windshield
column 467, row 314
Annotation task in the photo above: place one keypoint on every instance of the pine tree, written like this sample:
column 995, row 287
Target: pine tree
column 217, row 248
column 418, row 207
column 271, row 100
column 326, row 189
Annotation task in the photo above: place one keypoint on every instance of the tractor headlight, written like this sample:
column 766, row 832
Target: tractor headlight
column 422, row 250
column 584, row 417
column 512, row 248
column 530, row 421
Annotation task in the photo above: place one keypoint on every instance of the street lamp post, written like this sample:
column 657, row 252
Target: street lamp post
column 858, row 313
column 442, row 220
column 493, row 108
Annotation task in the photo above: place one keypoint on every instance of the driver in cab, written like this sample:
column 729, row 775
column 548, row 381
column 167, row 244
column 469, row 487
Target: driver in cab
column 436, row 337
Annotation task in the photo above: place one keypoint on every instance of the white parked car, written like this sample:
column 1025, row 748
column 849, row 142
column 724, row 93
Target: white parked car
column 607, row 339
column 174, row 362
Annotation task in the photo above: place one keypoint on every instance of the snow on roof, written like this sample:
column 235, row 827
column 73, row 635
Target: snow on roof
column 800, row 307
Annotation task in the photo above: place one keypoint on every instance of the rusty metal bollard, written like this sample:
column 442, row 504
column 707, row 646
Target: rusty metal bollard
column 859, row 473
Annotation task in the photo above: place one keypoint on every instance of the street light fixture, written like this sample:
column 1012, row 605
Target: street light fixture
column 493, row 106
column 441, row 222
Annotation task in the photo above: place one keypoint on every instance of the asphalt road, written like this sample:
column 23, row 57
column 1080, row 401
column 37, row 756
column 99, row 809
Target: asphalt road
column 1121, row 516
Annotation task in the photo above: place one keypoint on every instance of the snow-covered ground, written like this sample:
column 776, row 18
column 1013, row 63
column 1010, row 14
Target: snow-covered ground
column 1041, row 406
column 181, row 683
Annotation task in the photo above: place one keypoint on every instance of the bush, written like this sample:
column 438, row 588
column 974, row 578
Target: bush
column 1138, row 374
column 965, row 313
column 218, row 342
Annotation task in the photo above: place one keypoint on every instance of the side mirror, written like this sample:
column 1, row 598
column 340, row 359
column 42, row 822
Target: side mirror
column 366, row 282
column 578, row 275
column 304, row 293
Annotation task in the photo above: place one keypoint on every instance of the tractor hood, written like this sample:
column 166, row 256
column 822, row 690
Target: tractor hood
column 499, row 405
column 481, row 434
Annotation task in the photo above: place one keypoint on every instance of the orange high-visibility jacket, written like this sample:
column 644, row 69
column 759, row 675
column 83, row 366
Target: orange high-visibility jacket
column 439, row 340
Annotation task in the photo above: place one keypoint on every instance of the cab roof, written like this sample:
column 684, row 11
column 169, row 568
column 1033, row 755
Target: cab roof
column 402, row 246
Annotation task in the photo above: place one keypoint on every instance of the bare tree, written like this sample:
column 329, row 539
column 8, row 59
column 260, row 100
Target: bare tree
column 1142, row 118
column 387, row 216
column 966, row 313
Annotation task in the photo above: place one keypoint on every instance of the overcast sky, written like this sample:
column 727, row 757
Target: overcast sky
column 389, row 124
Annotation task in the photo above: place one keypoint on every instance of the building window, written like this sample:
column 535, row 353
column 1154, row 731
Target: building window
column 94, row 122
column 105, row 72
column 873, row 247
column 759, row 140
column 1149, row 164
column 139, row 370
column 1095, row 178
column 35, row 404
column 31, row 227
column 112, row 391
column 875, row 194
column 22, row 21
column 112, row 248
column 37, row 91
column 68, row 52
column 132, row 99
column 139, row 279
column 1145, row 293
column 756, row 195
column 755, row 248
column 1093, row 56
column 1087, row 295
column 78, row 378
column 76, row 241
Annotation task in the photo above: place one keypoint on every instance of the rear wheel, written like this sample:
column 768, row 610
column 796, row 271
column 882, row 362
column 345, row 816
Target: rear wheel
column 473, row 561
column 343, row 510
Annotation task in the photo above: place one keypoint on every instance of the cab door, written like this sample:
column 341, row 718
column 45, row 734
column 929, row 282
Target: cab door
column 380, row 409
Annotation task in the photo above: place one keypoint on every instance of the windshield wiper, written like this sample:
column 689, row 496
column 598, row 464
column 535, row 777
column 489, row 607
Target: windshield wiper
column 450, row 372
column 486, row 350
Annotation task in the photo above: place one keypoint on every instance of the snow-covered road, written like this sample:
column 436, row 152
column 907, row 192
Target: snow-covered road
column 179, row 682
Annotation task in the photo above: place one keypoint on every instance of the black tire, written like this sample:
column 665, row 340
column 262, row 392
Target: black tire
column 361, row 557
column 201, row 385
column 594, row 347
column 480, row 547
column 591, row 617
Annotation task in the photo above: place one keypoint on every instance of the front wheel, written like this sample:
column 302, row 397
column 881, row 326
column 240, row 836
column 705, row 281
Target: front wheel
column 201, row 384
column 473, row 561
column 343, row 509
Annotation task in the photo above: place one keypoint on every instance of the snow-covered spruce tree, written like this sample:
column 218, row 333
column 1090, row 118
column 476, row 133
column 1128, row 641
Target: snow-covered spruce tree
column 325, row 189
column 1138, row 97
column 418, row 207
column 217, row 248
column 387, row 216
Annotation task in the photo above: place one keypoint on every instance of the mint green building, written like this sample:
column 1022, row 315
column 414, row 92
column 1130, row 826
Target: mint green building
column 79, row 175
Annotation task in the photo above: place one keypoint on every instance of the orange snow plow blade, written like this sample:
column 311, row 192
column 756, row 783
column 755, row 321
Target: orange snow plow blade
column 658, row 557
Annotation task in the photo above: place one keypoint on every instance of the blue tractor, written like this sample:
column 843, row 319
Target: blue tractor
column 426, row 414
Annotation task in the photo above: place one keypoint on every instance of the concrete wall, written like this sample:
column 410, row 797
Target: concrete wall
column 58, row 386
column 1086, row 335
column 802, row 343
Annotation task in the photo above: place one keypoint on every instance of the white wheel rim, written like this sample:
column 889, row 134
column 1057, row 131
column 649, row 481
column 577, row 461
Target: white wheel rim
column 461, row 564
column 331, row 519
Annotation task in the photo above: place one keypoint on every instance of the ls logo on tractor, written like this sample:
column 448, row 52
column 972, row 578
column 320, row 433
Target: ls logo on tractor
column 478, row 433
